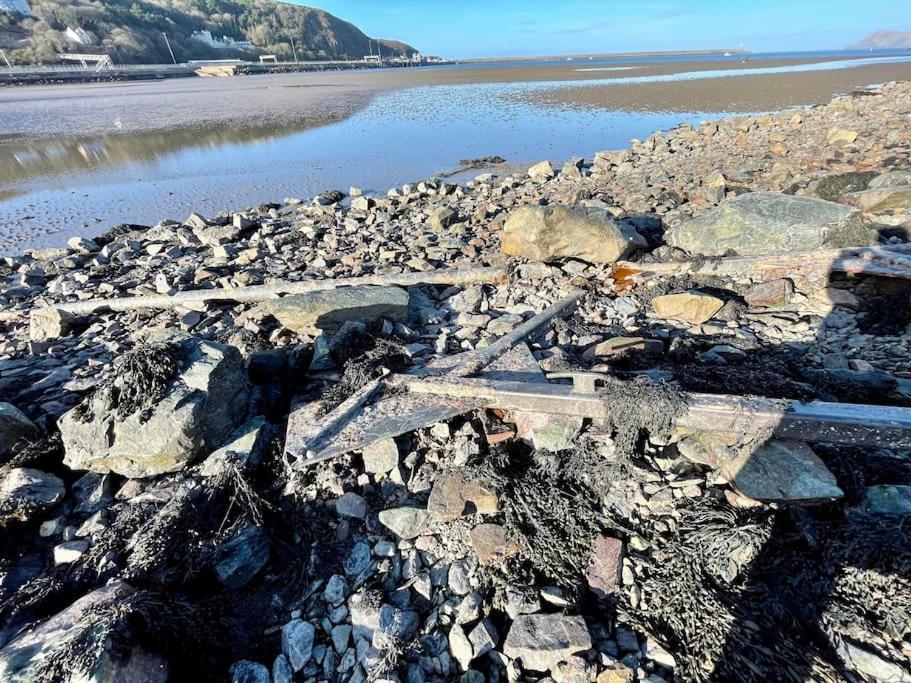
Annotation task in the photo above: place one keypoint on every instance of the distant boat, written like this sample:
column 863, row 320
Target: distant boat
column 727, row 54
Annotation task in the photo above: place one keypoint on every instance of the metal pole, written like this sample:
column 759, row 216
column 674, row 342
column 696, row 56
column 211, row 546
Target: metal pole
column 294, row 50
column 3, row 54
column 481, row 359
column 173, row 58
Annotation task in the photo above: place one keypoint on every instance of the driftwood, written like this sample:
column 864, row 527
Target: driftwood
column 892, row 261
column 43, row 319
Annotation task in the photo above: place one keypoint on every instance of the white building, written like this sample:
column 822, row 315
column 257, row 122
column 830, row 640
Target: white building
column 20, row 6
column 225, row 43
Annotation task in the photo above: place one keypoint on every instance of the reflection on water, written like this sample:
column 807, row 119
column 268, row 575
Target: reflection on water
column 21, row 161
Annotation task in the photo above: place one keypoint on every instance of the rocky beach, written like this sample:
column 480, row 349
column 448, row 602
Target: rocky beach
column 161, row 520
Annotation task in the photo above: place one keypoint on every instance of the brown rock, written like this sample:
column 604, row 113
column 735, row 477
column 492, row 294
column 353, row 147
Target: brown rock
column 616, row 346
column 693, row 307
column 770, row 294
column 604, row 567
column 541, row 233
column 453, row 496
column 490, row 543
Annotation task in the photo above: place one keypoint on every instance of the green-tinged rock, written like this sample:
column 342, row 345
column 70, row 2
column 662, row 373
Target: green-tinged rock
column 833, row 187
column 329, row 310
column 405, row 522
column 547, row 233
column 767, row 223
column 890, row 179
column 786, row 472
column 202, row 401
column 888, row 500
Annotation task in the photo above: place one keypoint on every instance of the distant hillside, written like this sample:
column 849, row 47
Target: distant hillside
column 131, row 31
column 882, row 40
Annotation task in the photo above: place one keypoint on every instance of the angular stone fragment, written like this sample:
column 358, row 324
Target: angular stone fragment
column 16, row 430
column 49, row 323
column 540, row 233
column 771, row 294
column 242, row 557
column 839, row 137
column 694, row 307
column 541, row 171
column 202, row 405
column 831, row 188
column 483, row 638
column 460, row 647
column 297, row 642
column 553, row 433
column 454, row 496
column 441, row 218
column 542, row 641
column 246, row 671
column 351, row 505
column 328, row 310
column 619, row 345
column 381, row 456
column 604, row 568
column 405, row 522
column 785, row 472
column 760, row 223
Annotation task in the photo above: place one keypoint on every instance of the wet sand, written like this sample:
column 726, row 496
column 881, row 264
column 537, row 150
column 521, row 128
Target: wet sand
column 735, row 94
column 311, row 99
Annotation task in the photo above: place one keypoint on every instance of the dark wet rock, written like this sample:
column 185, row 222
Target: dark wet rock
column 542, row 641
column 25, row 658
column 833, row 187
column 786, row 472
column 242, row 557
column 16, row 430
column 549, row 233
column 767, row 223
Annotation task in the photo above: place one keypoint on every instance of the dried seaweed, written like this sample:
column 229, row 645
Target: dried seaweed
column 139, row 379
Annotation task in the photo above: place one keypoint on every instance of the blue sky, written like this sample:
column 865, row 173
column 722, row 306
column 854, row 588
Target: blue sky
column 475, row 28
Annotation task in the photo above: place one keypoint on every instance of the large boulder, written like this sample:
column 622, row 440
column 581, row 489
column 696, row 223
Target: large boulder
column 16, row 430
column 889, row 199
column 29, row 657
column 548, row 233
column 760, row 223
column 314, row 312
column 164, row 405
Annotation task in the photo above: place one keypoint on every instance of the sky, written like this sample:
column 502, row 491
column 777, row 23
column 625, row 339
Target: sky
column 505, row 28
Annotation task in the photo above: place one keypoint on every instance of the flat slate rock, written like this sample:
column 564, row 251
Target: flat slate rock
column 542, row 641
column 759, row 223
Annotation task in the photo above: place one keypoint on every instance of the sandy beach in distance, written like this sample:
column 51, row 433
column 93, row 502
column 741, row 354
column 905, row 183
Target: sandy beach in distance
column 312, row 99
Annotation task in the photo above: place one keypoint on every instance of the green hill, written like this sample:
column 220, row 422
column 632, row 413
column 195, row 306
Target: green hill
column 131, row 31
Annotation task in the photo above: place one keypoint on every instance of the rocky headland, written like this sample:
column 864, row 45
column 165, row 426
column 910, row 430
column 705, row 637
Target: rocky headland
column 153, row 526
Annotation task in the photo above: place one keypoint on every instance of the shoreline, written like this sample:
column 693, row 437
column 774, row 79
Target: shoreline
column 150, row 477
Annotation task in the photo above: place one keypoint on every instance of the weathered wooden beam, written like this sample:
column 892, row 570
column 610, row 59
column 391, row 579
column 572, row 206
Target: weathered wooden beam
column 817, row 421
column 890, row 261
column 257, row 293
